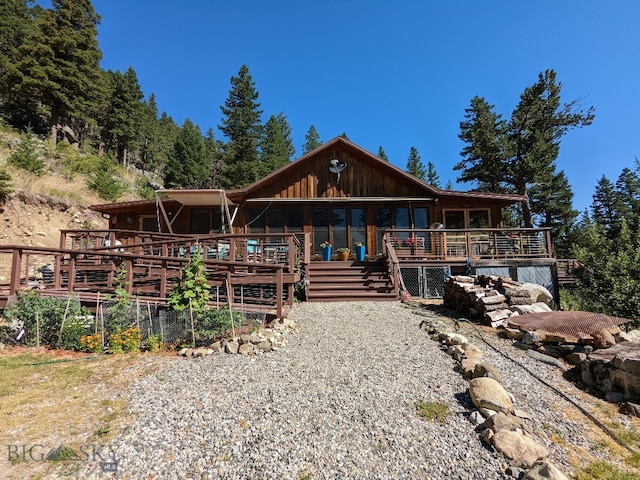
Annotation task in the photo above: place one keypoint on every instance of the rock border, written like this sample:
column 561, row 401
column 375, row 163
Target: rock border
column 270, row 338
column 500, row 423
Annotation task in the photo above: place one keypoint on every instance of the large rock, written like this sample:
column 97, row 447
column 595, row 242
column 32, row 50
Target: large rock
column 603, row 339
column 488, row 393
column 231, row 347
column 632, row 336
column 522, row 450
column 467, row 367
column 615, row 369
column 544, row 471
column 537, row 293
column 471, row 351
column 501, row 421
column 484, row 369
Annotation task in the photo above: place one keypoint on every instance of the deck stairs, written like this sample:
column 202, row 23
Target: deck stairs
column 339, row 281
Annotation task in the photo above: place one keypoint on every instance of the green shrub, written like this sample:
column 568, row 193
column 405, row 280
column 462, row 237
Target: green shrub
column 214, row 323
column 5, row 185
column 26, row 157
column 73, row 330
column 193, row 289
column 153, row 343
column 126, row 341
column 50, row 312
column 105, row 180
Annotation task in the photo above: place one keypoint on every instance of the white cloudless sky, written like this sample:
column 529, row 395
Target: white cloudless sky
column 392, row 74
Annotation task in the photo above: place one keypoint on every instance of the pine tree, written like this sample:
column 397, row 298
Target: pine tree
column 382, row 154
column 432, row 176
column 312, row 140
column 123, row 117
column 517, row 155
column 26, row 157
column 5, row 185
column 604, row 208
column 214, row 157
column 449, row 185
column 16, row 22
column 415, row 166
column 554, row 199
column 59, row 71
column 148, row 135
column 241, row 125
column 537, row 124
column 628, row 196
column 275, row 148
column 188, row 166
column 484, row 132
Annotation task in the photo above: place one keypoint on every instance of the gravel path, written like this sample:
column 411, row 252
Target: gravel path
column 338, row 402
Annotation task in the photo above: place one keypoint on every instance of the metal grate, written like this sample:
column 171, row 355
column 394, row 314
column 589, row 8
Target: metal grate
column 425, row 282
column 576, row 324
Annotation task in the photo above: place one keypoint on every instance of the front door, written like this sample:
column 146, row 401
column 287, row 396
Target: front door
column 341, row 226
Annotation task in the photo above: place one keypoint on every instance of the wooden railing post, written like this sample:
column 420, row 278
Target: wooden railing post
column 279, row 292
column 16, row 261
column 72, row 272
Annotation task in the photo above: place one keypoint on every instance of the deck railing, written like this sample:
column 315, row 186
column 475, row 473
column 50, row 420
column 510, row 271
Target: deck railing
column 281, row 249
column 89, row 261
column 490, row 243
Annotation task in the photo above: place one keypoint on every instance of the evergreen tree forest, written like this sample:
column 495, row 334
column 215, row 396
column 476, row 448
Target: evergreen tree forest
column 51, row 84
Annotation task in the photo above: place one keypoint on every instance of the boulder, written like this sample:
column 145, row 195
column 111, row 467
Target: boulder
column 231, row 347
column 614, row 369
column 245, row 349
column 544, row 471
column 455, row 339
column 537, row 293
column 632, row 336
column 476, row 418
column 484, row 369
column 603, row 339
column 264, row 346
column 501, row 421
column 488, row 393
column 471, row 351
column 522, row 450
column 467, row 367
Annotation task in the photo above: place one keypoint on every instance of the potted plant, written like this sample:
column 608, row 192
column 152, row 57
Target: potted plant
column 343, row 253
column 361, row 250
column 326, row 250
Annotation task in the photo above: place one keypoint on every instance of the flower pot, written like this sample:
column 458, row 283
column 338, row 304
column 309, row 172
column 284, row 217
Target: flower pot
column 360, row 252
column 326, row 254
column 343, row 256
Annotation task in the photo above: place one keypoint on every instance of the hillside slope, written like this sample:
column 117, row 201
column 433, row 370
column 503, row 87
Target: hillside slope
column 41, row 206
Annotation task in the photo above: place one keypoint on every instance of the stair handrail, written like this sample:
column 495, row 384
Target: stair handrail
column 393, row 264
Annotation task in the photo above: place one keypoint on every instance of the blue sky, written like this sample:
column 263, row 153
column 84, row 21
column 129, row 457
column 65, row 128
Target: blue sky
column 391, row 74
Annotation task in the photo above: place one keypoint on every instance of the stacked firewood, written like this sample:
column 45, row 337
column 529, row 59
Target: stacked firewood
column 492, row 299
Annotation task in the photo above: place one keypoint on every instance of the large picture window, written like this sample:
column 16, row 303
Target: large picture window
column 467, row 218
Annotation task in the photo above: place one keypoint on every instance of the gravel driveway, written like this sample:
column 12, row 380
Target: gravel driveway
column 338, row 402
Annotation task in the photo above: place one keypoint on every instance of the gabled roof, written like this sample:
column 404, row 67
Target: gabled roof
column 376, row 162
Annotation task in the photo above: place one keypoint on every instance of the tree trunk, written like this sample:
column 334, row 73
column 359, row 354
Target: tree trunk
column 54, row 134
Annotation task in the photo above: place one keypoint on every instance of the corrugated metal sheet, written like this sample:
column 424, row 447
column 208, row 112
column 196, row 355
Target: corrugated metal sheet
column 538, row 274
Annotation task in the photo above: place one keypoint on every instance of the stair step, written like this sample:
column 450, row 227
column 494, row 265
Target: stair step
column 349, row 280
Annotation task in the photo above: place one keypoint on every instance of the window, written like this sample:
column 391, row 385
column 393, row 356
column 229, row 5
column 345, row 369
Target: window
column 466, row 219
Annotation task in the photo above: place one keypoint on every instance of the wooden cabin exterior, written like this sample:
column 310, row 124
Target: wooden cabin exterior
column 261, row 242
column 338, row 192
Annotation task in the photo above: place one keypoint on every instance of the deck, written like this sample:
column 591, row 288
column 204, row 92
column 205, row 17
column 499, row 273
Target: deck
column 256, row 270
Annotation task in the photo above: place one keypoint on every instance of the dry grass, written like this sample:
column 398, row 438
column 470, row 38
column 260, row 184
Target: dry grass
column 62, row 398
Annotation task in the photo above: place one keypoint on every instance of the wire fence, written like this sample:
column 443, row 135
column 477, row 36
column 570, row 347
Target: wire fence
column 60, row 322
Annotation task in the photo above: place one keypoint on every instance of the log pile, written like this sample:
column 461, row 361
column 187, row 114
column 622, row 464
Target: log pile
column 493, row 299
